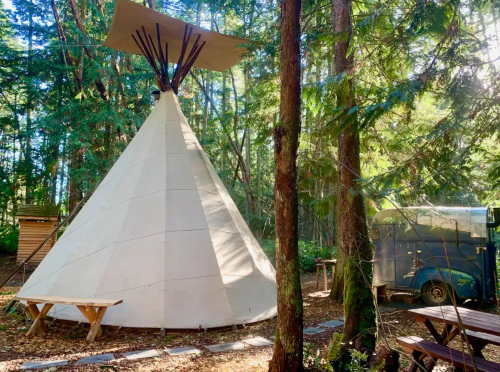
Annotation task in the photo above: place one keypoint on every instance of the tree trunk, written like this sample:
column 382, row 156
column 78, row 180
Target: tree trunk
column 86, row 40
column 352, row 232
column 75, row 191
column 287, row 356
column 27, row 154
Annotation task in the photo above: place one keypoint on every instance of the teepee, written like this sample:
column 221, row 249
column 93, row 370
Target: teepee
column 161, row 232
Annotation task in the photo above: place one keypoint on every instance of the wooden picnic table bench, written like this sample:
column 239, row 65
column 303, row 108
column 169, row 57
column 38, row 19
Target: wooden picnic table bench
column 93, row 309
column 480, row 328
column 420, row 348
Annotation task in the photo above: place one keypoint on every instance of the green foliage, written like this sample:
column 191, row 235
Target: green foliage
column 170, row 338
column 307, row 253
column 335, row 347
column 9, row 237
column 311, row 356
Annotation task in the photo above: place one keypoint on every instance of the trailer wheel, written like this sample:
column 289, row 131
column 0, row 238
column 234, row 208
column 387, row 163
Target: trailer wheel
column 436, row 293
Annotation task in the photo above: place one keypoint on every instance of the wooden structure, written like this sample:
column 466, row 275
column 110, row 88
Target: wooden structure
column 92, row 308
column 380, row 292
column 36, row 223
column 481, row 329
column 322, row 265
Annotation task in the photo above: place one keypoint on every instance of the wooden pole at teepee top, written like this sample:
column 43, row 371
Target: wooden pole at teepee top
column 159, row 62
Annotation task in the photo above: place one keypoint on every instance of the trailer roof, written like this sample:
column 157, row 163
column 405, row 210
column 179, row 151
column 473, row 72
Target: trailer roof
column 465, row 219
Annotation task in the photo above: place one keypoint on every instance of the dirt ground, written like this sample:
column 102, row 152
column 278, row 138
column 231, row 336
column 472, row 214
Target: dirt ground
column 67, row 340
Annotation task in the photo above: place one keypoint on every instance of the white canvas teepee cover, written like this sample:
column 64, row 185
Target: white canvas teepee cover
column 161, row 233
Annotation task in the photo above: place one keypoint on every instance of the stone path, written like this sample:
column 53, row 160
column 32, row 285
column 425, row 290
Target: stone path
column 141, row 354
column 225, row 347
column 231, row 346
column 332, row 324
column 313, row 331
column 96, row 359
column 183, row 351
column 258, row 341
column 43, row 364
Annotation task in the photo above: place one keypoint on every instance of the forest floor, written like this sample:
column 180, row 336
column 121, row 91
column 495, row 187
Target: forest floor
column 67, row 340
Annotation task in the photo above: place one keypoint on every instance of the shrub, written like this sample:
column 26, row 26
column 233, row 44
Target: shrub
column 307, row 253
column 9, row 237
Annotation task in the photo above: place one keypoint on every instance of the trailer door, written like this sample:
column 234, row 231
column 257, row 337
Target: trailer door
column 405, row 263
column 384, row 272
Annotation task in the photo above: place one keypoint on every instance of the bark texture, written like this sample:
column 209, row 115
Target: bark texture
column 354, row 248
column 287, row 356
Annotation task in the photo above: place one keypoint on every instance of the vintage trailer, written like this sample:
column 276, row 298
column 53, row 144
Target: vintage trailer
column 442, row 248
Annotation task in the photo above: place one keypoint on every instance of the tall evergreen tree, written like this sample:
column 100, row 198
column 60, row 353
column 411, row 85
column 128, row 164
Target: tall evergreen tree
column 288, row 344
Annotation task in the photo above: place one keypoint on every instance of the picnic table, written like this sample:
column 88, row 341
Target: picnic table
column 93, row 309
column 480, row 328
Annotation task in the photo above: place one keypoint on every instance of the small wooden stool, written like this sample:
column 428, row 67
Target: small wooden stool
column 321, row 265
column 380, row 290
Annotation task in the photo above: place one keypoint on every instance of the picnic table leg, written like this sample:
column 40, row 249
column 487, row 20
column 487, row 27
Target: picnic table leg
column 417, row 356
column 39, row 319
column 317, row 277
column 33, row 309
column 444, row 338
column 90, row 313
column 325, row 280
column 477, row 347
column 96, row 325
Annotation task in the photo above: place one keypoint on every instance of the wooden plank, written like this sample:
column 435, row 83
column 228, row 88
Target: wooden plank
column 39, row 319
column 325, row 280
column 90, row 314
column 490, row 339
column 447, row 354
column 33, row 309
column 83, row 310
column 97, row 302
column 92, row 318
column 317, row 275
column 96, row 325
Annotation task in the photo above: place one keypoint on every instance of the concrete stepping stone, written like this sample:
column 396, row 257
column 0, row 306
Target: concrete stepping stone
column 96, row 359
column 231, row 346
column 183, row 351
column 142, row 354
column 258, row 341
column 313, row 331
column 332, row 324
column 320, row 294
column 39, row 364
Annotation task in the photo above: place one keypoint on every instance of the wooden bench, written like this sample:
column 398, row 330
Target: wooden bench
column 479, row 340
column 92, row 308
column 421, row 348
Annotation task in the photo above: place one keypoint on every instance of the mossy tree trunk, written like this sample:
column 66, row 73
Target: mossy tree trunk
column 287, row 356
column 352, row 232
